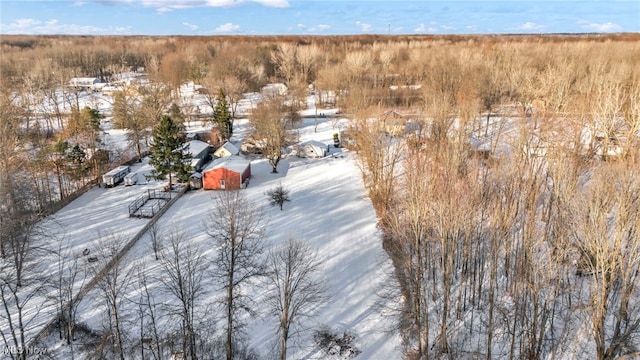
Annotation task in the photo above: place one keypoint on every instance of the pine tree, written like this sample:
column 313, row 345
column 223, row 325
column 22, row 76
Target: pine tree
column 168, row 153
column 222, row 115
column 176, row 113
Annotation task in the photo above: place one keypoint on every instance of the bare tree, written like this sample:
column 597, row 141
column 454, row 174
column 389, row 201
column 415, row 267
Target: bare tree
column 21, row 305
column 129, row 113
column 270, row 126
column 184, row 268
column 234, row 87
column 150, row 317
column 605, row 233
column 236, row 228
column 295, row 288
column 285, row 59
column 22, row 281
column 156, row 238
column 278, row 196
column 113, row 281
column 379, row 156
column 70, row 278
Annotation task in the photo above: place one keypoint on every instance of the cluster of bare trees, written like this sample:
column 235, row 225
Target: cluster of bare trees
column 513, row 227
column 194, row 298
column 503, row 171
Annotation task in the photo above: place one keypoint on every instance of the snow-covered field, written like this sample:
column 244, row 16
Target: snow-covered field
column 329, row 211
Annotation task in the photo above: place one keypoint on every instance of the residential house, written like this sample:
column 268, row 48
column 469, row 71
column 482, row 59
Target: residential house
column 199, row 152
column 228, row 173
column 227, row 149
column 85, row 83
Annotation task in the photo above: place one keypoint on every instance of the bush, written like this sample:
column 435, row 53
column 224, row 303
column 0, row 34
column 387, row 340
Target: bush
column 334, row 345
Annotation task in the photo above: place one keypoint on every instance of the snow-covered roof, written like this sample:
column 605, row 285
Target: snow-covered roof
column 277, row 89
column 84, row 81
column 234, row 163
column 228, row 147
column 196, row 147
column 314, row 143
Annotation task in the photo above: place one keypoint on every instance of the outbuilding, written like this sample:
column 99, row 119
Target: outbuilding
column 84, row 83
column 115, row 176
column 312, row 149
column 228, row 173
column 195, row 181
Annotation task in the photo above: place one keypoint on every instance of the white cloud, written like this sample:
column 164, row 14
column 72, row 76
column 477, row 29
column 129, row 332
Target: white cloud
column 318, row 28
column 529, row 26
column 423, row 29
column 20, row 24
column 606, row 27
column 273, row 3
column 227, row 28
column 471, row 27
column 190, row 26
column 168, row 5
column 310, row 29
column 53, row 26
column 114, row 2
column 363, row 27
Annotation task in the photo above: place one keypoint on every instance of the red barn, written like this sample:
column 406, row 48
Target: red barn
column 228, row 173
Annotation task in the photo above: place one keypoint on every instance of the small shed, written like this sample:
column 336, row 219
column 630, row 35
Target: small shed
column 227, row 149
column 312, row 149
column 195, row 181
column 115, row 176
column 131, row 179
column 228, row 173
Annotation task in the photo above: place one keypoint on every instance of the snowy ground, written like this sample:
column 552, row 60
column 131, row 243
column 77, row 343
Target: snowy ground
column 96, row 214
column 329, row 211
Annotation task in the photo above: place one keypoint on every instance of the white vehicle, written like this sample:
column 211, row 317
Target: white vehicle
column 131, row 179
column 115, row 176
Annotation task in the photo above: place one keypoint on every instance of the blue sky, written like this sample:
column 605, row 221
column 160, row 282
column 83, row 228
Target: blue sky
column 315, row 17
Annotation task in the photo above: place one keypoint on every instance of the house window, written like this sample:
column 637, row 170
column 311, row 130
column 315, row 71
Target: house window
column 222, row 184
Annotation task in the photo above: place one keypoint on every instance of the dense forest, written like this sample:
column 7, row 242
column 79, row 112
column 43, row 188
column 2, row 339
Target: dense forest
column 503, row 169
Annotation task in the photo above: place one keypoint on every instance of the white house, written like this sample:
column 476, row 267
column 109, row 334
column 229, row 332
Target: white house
column 227, row 149
column 85, row 83
column 274, row 90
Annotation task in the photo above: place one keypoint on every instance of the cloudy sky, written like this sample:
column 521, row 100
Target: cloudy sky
column 315, row 17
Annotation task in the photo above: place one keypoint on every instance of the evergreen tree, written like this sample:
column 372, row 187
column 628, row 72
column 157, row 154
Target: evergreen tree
column 176, row 113
column 77, row 157
column 168, row 153
column 222, row 115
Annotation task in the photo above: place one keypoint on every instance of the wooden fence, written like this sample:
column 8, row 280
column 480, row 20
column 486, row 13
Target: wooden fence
column 51, row 325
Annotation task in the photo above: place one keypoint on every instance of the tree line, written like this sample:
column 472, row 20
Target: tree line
column 554, row 187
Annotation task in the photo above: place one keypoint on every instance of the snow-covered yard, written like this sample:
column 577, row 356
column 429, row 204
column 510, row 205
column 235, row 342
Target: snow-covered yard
column 329, row 211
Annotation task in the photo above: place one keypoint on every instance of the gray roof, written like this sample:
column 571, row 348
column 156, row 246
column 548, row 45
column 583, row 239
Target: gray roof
column 232, row 149
column 196, row 147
